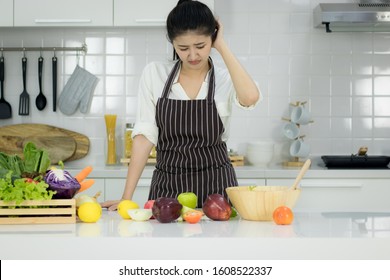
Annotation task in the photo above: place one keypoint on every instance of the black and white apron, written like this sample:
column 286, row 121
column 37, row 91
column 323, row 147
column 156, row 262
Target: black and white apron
column 191, row 156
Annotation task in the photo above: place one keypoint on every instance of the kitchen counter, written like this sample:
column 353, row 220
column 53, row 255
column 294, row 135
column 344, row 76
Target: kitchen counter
column 313, row 235
column 354, row 225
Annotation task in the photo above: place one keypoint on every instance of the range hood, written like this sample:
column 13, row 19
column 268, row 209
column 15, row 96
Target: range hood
column 373, row 16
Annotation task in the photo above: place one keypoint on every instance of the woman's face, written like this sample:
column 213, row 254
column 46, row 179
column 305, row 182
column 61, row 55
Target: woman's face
column 193, row 49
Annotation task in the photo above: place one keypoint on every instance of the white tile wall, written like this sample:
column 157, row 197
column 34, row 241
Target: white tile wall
column 344, row 77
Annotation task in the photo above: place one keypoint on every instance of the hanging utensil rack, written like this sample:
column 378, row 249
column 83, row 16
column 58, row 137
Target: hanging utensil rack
column 83, row 49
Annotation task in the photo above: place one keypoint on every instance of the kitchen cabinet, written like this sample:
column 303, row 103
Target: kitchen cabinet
column 114, row 189
column 63, row 13
column 251, row 181
column 340, row 194
column 146, row 12
column 322, row 189
column 6, row 12
column 97, row 187
column 28, row 13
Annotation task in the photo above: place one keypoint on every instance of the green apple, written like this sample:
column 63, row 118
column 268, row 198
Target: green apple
column 188, row 199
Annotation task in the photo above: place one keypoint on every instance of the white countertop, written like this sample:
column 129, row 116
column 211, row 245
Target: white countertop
column 273, row 170
column 361, row 234
column 316, row 235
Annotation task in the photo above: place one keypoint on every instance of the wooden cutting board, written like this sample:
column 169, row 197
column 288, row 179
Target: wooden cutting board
column 82, row 144
column 58, row 147
column 61, row 144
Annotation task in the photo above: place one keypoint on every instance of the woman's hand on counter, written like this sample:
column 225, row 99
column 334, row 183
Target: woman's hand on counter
column 111, row 205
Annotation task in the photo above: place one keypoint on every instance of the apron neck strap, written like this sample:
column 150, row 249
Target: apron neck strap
column 211, row 90
column 171, row 78
column 175, row 70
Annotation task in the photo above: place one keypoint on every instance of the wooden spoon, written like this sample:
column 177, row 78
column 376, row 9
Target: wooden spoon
column 304, row 168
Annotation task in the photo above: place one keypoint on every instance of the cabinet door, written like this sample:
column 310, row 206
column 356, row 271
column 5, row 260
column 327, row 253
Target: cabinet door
column 146, row 12
column 340, row 194
column 6, row 12
column 114, row 190
column 63, row 13
column 251, row 182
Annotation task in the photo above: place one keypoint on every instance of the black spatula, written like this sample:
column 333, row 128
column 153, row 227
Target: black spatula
column 5, row 107
column 24, row 99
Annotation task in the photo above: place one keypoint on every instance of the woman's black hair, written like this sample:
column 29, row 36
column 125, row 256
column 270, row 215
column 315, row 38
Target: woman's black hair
column 190, row 15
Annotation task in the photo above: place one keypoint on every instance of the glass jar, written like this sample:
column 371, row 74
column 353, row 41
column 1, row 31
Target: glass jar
column 111, row 139
column 128, row 139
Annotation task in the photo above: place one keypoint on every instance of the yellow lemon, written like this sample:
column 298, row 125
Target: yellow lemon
column 89, row 212
column 125, row 205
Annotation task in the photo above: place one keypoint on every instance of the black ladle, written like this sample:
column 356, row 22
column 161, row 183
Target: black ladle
column 40, row 101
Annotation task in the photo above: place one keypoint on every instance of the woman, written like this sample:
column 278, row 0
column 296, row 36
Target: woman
column 184, row 109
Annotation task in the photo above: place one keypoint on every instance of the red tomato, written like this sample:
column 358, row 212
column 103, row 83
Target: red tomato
column 192, row 216
column 283, row 215
column 29, row 180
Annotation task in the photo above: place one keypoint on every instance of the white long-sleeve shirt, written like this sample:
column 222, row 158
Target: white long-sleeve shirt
column 152, row 83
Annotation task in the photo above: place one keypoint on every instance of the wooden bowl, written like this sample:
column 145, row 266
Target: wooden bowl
column 257, row 203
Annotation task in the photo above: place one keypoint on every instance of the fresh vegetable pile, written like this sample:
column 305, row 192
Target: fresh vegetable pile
column 30, row 177
column 22, row 189
column 34, row 163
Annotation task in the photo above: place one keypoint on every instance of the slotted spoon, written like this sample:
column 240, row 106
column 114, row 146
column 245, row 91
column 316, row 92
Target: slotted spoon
column 24, row 99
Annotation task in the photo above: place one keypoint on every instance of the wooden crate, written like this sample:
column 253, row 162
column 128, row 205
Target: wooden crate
column 55, row 211
column 237, row 160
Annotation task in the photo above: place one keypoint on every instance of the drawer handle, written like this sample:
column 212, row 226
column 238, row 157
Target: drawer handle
column 333, row 186
column 63, row 21
column 150, row 20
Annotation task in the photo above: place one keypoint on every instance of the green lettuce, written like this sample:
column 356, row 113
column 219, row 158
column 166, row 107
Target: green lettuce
column 35, row 162
column 22, row 189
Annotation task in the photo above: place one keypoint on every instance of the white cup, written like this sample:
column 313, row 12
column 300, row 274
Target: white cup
column 300, row 115
column 299, row 148
column 291, row 130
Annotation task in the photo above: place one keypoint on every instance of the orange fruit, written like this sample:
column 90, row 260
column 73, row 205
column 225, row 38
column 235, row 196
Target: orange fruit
column 283, row 215
column 192, row 216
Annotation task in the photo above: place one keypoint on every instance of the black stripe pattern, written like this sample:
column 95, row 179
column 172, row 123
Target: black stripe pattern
column 191, row 155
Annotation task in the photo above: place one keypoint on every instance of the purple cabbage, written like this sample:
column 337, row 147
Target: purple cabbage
column 64, row 184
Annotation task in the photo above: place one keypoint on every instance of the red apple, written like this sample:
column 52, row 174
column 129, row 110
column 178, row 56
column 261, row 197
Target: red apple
column 166, row 209
column 217, row 208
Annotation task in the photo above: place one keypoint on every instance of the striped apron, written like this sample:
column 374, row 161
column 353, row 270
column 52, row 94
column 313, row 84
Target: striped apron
column 191, row 156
